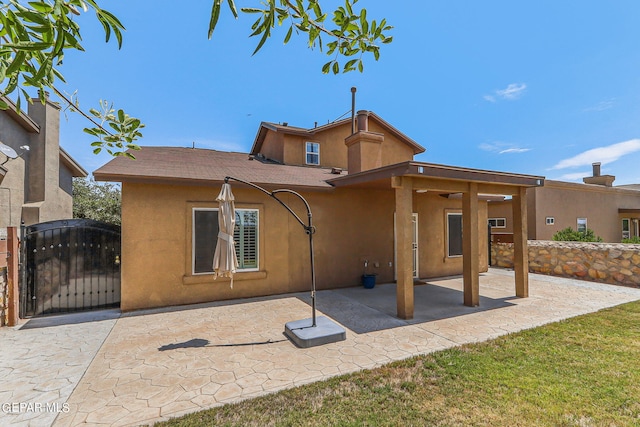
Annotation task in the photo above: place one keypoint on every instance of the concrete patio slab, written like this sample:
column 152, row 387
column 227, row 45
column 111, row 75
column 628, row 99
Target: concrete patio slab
column 149, row 366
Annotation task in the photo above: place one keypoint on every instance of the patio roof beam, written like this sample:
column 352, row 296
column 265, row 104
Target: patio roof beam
column 457, row 186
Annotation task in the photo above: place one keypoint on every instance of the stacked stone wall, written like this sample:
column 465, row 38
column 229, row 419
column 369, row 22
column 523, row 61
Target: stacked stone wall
column 613, row 263
column 3, row 296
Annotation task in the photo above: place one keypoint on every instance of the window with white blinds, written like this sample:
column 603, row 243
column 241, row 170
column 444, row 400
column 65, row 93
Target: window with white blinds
column 205, row 238
column 246, row 237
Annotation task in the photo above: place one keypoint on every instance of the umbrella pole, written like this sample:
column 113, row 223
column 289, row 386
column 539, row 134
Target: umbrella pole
column 313, row 272
column 309, row 229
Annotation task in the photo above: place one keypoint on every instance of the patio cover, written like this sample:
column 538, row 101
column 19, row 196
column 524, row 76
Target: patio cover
column 408, row 177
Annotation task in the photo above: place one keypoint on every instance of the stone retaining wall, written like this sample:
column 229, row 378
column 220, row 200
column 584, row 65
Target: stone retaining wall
column 613, row 263
column 3, row 296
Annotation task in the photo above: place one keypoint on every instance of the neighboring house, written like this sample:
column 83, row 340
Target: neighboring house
column 36, row 186
column 612, row 212
column 401, row 218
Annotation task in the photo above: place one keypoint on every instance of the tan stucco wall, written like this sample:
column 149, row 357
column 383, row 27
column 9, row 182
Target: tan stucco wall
column 353, row 226
column 432, row 212
column 31, row 191
column 333, row 151
column 12, row 187
column 44, row 193
column 566, row 202
column 273, row 146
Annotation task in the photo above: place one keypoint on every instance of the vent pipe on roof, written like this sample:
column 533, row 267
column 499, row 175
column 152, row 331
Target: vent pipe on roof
column 353, row 110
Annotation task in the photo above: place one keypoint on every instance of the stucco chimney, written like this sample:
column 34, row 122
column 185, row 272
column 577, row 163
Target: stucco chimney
column 598, row 178
column 364, row 147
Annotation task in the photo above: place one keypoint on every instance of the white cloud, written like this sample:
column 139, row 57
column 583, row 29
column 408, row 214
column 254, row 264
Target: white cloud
column 515, row 150
column 502, row 148
column 604, row 155
column 601, row 106
column 510, row 93
column 574, row 176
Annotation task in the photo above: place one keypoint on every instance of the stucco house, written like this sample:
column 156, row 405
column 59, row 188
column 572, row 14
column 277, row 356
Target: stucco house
column 612, row 212
column 372, row 204
column 36, row 186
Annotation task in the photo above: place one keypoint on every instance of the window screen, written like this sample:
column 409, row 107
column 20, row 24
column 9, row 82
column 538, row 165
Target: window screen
column 454, row 232
column 205, row 234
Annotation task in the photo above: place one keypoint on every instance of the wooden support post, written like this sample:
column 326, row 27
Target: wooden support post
column 404, row 256
column 470, row 247
column 13, row 294
column 520, row 249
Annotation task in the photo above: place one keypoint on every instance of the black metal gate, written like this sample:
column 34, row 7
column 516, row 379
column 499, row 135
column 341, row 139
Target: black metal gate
column 69, row 265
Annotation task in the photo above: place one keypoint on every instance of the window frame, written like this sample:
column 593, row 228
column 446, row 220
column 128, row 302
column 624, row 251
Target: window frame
column 193, row 241
column 307, row 153
column 257, row 241
column 448, row 235
column 550, row 220
column 586, row 227
column 626, row 234
column 496, row 220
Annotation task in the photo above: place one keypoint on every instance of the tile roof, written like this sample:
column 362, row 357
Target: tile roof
column 196, row 166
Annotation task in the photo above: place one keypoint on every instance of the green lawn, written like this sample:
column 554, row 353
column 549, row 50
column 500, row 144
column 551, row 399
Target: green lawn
column 580, row 372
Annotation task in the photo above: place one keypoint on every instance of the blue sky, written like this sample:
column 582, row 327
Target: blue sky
column 536, row 87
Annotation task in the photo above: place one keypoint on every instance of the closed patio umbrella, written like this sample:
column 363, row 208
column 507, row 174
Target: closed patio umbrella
column 225, row 261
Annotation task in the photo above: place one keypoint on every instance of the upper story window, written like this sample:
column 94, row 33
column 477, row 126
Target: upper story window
column 312, row 155
column 498, row 222
column 550, row 220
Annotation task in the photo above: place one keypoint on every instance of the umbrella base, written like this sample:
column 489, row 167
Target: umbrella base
column 304, row 335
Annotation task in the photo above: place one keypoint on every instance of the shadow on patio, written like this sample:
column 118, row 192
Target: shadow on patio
column 368, row 310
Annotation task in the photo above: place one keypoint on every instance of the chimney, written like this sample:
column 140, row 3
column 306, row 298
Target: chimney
column 364, row 147
column 363, row 121
column 598, row 178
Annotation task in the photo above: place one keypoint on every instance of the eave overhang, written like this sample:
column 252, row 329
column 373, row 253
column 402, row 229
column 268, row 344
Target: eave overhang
column 436, row 177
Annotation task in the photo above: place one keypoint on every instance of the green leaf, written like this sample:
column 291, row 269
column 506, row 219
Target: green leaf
column 288, row 36
column 41, row 6
column 232, row 6
column 215, row 14
column 17, row 62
